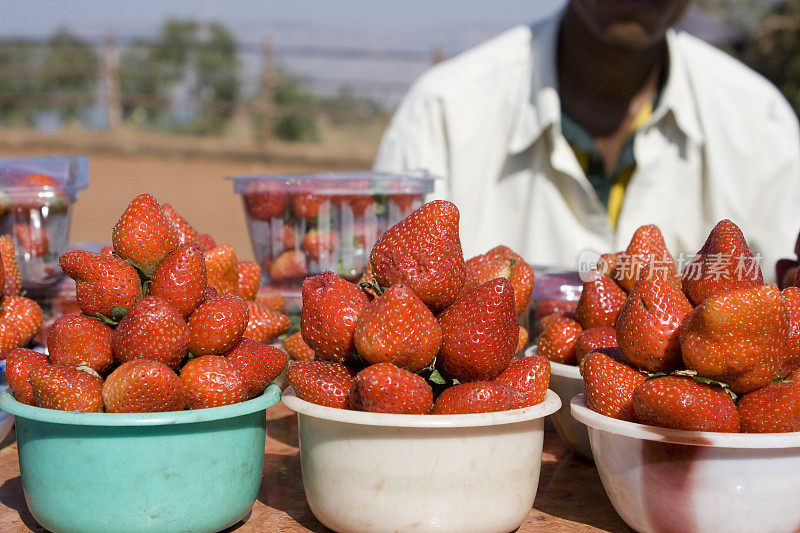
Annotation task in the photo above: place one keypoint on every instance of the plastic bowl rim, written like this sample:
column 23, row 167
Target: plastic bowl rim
column 268, row 398
column 421, row 180
column 82, row 171
column 548, row 406
column 677, row 436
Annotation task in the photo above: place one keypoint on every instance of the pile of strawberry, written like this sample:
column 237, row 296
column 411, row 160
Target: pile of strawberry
column 20, row 317
column 710, row 349
column 167, row 322
column 423, row 325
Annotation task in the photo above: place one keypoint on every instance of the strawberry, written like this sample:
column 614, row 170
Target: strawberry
column 264, row 325
column 32, row 240
column 40, row 191
column 546, row 320
column 143, row 234
column 206, row 242
column 791, row 298
column 527, row 379
column 222, row 269
column 143, row 386
column 475, row 397
column 558, row 342
column 608, row 385
column 10, row 338
column 367, row 282
column 738, row 337
column 19, row 364
column 13, row 278
column 593, row 339
column 290, row 265
column 502, row 262
column 180, row 280
column 646, row 247
column 66, row 389
column 600, row 302
column 358, row 203
column 212, row 381
column 101, row 281
column 647, row 325
column 423, row 251
column 398, row 328
column 331, row 307
column 308, row 206
column 479, row 332
column 680, row 402
column 724, row 262
column 316, row 244
column 25, row 314
column 75, row 340
column 258, row 363
column 385, row 388
column 186, row 233
column 154, row 330
column 297, row 348
column 285, row 237
column 267, row 299
column 210, row 293
column 107, row 250
column 522, row 340
column 217, row 325
column 249, row 279
column 608, row 263
column 772, row 409
column 321, row 383
column 263, row 202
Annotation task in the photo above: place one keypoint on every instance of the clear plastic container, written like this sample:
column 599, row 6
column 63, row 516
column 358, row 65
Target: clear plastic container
column 36, row 197
column 555, row 289
column 302, row 225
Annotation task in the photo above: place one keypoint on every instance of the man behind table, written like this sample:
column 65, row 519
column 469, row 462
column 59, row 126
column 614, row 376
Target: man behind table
column 569, row 134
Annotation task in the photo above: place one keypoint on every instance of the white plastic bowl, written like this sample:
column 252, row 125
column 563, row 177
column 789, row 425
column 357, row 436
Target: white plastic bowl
column 365, row 472
column 566, row 381
column 671, row 480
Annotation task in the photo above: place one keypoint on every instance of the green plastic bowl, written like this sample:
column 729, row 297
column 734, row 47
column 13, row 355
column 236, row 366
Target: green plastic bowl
column 178, row 471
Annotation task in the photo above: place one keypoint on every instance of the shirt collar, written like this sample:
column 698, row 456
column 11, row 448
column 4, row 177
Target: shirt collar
column 539, row 106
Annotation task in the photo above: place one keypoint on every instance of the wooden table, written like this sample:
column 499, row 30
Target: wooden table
column 570, row 495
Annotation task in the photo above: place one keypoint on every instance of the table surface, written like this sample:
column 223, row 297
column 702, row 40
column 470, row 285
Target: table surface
column 570, row 496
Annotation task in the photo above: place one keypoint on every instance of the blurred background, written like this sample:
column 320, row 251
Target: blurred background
column 171, row 97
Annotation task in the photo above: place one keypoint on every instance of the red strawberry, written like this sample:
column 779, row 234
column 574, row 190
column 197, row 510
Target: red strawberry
column 308, row 206
column 249, row 279
column 222, row 269
column 545, row 321
column 479, row 332
column 186, row 233
column 738, row 337
column 647, row 326
column 217, row 325
column 154, row 330
column 102, row 281
column 66, row 389
column 10, row 338
column 608, row 385
column 476, row 397
column 398, row 328
column 263, row 202
column 206, row 242
column 143, row 234
column 502, row 262
column 297, row 348
column 32, row 240
column 180, row 280
column 316, row 244
column 264, row 325
column 358, row 203
column 724, row 262
column 527, row 379
column 646, row 247
column 143, row 386
column 600, row 302
column 608, row 263
column 19, row 364
column 680, row 402
column 321, row 383
column 385, row 388
column 75, row 340
column 267, row 299
column 791, row 298
column 423, row 251
column 290, row 265
column 25, row 314
column 331, row 307
column 772, row 409
column 258, row 363
column 213, row 381
column 41, row 191
column 107, row 250
column 522, row 341
column 558, row 342
column 594, row 339
column 13, row 279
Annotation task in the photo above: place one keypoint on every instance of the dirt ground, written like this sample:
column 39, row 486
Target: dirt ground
column 194, row 185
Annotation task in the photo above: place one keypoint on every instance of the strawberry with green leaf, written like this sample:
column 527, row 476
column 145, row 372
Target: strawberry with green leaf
column 102, row 282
